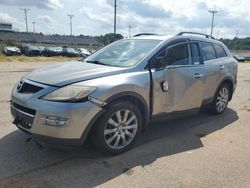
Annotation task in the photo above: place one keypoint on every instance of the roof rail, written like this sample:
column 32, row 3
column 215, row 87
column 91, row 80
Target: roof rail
column 194, row 33
column 140, row 34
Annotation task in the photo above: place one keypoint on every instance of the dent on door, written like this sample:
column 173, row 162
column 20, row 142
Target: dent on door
column 185, row 90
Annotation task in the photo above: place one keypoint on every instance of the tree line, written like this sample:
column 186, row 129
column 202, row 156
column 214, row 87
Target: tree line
column 237, row 43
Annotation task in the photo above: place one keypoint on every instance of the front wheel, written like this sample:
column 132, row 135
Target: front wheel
column 221, row 99
column 117, row 130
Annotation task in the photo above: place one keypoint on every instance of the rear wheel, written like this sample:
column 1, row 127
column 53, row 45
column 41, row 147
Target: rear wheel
column 221, row 99
column 117, row 130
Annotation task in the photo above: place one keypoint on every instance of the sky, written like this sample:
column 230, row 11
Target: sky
column 95, row 17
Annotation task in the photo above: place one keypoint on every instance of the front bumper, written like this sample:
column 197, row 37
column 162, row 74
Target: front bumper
column 29, row 112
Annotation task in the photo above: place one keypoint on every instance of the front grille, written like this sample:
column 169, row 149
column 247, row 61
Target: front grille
column 29, row 88
column 24, row 109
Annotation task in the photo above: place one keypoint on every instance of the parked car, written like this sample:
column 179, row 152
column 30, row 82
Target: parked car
column 112, row 96
column 41, row 50
column 11, row 50
column 70, row 52
column 239, row 58
column 92, row 51
column 83, row 52
column 32, row 51
column 24, row 48
column 247, row 58
column 53, row 51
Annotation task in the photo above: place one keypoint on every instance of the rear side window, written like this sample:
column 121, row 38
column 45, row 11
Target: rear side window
column 207, row 51
column 220, row 52
column 178, row 55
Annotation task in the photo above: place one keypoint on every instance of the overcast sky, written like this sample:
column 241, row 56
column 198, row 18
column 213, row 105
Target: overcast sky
column 95, row 17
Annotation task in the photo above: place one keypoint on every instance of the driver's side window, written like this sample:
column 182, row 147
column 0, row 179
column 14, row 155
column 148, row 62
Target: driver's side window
column 177, row 55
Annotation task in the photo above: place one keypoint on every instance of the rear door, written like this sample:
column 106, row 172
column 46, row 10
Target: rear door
column 214, row 66
column 182, row 84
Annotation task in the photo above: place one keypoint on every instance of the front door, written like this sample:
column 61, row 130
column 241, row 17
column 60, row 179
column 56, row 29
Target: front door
column 180, row 85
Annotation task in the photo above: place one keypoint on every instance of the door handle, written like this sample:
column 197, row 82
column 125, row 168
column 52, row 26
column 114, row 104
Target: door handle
column 221, row 67
column 197, row 75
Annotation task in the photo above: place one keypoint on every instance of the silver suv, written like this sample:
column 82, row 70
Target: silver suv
column 112, row 95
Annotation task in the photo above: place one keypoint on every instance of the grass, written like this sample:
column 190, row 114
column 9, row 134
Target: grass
column 4, row 58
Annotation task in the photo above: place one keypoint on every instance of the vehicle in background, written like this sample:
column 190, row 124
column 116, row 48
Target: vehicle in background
column 32, row 51
column 11, row 50
column 24, row 48
column 83, row 52
column 239, row 58
column 92, row 51
column 41, row 49
column 69, row 52
column 52, row 51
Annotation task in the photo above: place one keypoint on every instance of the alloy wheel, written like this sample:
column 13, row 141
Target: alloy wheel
column 121, row 129
column 222, row 99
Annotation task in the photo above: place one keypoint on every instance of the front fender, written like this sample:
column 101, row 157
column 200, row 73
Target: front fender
column 135, row 83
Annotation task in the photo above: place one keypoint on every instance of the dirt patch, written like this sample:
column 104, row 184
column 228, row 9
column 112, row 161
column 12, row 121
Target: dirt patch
column 246, row 108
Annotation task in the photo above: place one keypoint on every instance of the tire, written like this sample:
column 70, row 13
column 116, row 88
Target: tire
column 220, row 101
column 113, row 133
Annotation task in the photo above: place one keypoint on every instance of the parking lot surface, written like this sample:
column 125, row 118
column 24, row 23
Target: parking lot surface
column 198, row 150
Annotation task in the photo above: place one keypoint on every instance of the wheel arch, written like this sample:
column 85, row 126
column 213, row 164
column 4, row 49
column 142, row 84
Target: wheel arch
column 229, row 82
column 125, row 96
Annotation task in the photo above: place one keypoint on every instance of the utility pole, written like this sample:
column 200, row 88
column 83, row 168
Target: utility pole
column 218, row 31
column 129, row 31
column 26, row 20
column 34, row 27
column 237, row 33
column 115, row 5
column 70, row 22
column 213, row 12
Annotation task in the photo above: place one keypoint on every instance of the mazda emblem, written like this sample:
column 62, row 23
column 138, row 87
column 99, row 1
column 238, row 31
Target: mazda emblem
column 19, row 86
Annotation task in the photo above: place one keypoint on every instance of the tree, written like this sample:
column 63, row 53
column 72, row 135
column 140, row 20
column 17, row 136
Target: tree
column 109, row 38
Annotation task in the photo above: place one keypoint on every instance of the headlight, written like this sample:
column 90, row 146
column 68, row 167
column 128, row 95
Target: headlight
column 69, row 93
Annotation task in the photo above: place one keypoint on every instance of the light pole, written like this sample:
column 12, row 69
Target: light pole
column 34, row 27
column 213, row 12
column 218, row 32
column 129, row 31
column 26, row 19
column 115, row 5
column 70, row 22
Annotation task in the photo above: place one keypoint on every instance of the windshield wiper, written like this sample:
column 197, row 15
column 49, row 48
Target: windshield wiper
column 97, row 62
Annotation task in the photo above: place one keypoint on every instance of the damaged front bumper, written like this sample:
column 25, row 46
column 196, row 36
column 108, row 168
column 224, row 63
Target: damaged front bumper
column 60, row 121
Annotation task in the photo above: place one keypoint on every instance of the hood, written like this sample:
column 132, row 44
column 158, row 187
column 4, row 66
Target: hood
column 70, row 72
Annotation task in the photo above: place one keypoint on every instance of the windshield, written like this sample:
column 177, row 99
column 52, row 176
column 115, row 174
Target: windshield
column 124, row 53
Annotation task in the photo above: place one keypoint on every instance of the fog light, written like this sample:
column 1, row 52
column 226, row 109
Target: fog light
column 54, row 121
